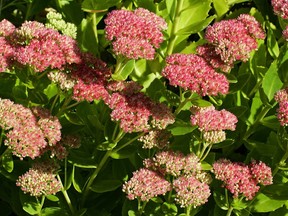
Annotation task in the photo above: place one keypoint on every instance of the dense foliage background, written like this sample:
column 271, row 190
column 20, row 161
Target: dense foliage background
column 83, row 114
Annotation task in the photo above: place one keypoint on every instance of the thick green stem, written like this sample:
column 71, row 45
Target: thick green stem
column 128, row 143
column 203, row 156
column 66, row 196
column 230, row 210
column 141, row 207
column 173, row 36
column 28, row 10
column 94, row 175
column 188, row 210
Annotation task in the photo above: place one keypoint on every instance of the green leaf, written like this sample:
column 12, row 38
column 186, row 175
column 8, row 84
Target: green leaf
column 54, row 211
column 264, row 203
column 272, row 44
column 205, row 165
column 82, row 159
column 221, row 7
column 196, row 27
column 102, row 186
column 169, row 208
column 51, row 90
column 125, row 71
column 106, row 145
column 132, row 213
column 7, row 160
column 98, row 5
column 239, row 204
column 181, row 127
column 123, row 153
column 276, row 191
column 220, row 200
column 271, row 81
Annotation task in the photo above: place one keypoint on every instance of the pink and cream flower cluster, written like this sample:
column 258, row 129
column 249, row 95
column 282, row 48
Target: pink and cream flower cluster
column 213, row 123
column 190, row 182
column 282, row 112
column 241, row 179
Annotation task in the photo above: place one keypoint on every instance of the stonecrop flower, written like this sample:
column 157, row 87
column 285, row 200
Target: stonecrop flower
column 174, row 163
column 280, row 8
column 6, row 28
column 190, row 191
column 136, row 112
column 212, row 123
column 91, row 77
column 241, row 179
column 40, row 180
column 192, row 72
column 7, row 53
column 42, row 48
column 62, row 79
column 282, row 112
column 155, row 138
column 235, row 39
column 145, row 184
column 134, row 34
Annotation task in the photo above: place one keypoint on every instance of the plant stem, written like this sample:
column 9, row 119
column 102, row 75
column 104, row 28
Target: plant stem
column 282, row 162
column 94, row 175
column 28, row 10
column 141, row 208
column 176, row 20
column 229, row 212
column 181, row 105
column 128, row 143
column 66, row 196
column 206, row 154
column 188, row 210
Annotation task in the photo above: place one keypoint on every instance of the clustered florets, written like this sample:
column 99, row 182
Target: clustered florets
column 280, row 8
column 134, row 34
column 192, row 72
column 190, row 183
column 243, row 179
column 213, row 122
column 40, row 180
column 282, row 98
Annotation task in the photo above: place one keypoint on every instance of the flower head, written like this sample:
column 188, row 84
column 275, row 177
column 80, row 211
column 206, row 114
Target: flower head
column 6, row 28
column 7, row 52
column 261, row 172
column 40, row 180
column 134, row 34
column 155, row 138
column 192, row 72
column 280, row 8
column 282, row 112
column 190, row 191
column 146, row 184
column 234, row 39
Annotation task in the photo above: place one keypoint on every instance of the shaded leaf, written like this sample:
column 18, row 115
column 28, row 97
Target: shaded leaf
column 264, row 203
column 102, row 186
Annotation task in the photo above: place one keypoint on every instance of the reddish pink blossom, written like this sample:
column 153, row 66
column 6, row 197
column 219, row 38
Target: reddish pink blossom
column 91, row 79
column 280, row 8
column 239, row 178
column 210, row 119
column 282, row 112
column 42, row 48
column 207, row 51
column 146, row 184
column 235, row 39
column 7, row 53
column 190, row 191
column 40, row 180
column 6, row 28
column 192, row 72
column 261, row 172
column 134, row 34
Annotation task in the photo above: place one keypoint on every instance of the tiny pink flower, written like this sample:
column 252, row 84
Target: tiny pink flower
column 261, row 172
column 7, row 53
column 282, row 112
column 280, row 8
column 146, row 184
column 6, row 28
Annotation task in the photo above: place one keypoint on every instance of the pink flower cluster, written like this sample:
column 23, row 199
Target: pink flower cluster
column 134, row 34
column 239, row 178
column 213, row 122
column 36, row 46
column 190, row 183
column 146, row 184
column 155, row 138
column 91, row 77
column 40, row 180
column 280, row 8
column 282, row 112
column 28, row 134
column 136, row 111
column 234, row 39
column 192, row 72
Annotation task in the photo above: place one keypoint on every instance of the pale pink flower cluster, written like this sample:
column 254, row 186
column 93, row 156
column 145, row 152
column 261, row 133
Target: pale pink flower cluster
column 213, row 122
column 280, row 8
column 62, row 79
column 135, row 111
column 28, row 134
column 40, row 180
column 155, row 138
column 190, row 191
column 234, row 39
column 91, row 77
column 190, row 183
column 6, row 28
column 134, row 34
column 241, row 179
column 282, row 112
column 192, row 72
column 146, row 184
